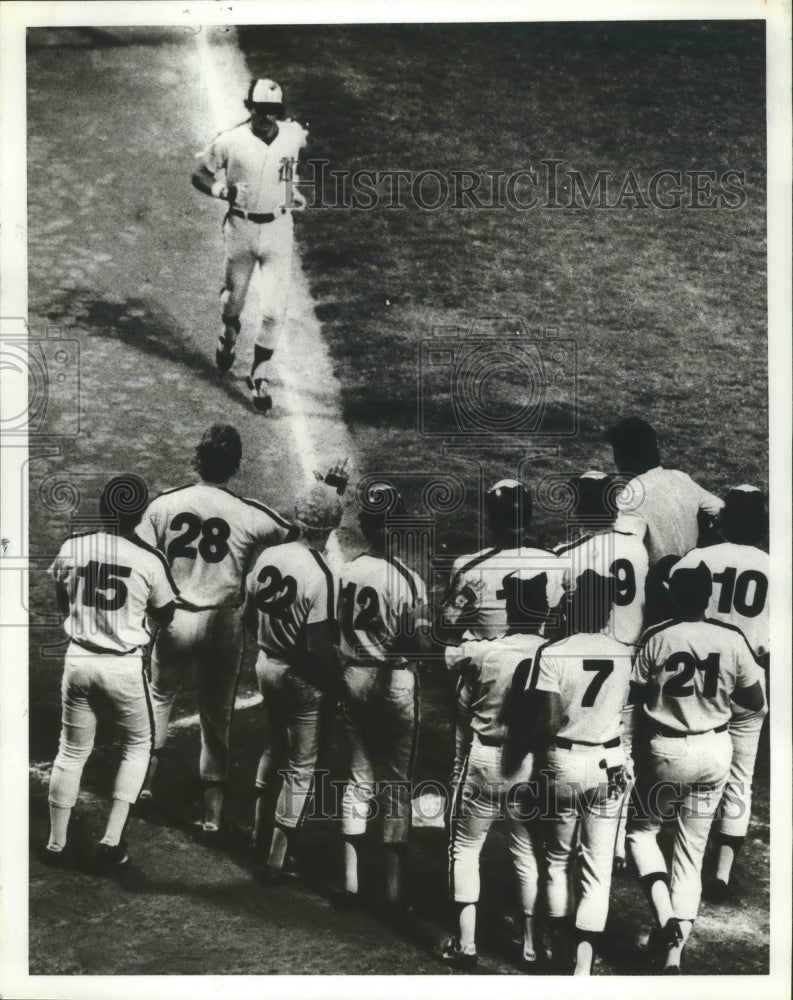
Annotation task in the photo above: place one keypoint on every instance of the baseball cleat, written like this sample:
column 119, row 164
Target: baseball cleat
column 450, row 953
column 54, row 859
column 671, row 970
column 270, row 876
column 619, row 865
column 227, row 837
column 113, row 860
column 717, row 891
column 224, row 354
column 260, row 394
column 343, row 899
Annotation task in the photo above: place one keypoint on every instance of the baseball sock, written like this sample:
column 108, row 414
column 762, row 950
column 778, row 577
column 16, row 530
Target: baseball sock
column 231, row 326
column 584, row 952
column 213, row 805
column 351, row 862
column 116, row 821
column 466, row 926
column 560, row 943
column 656, row 889
column 261, row 355
column 728, row 851
column 529, row 953
column 675, row 952
column 279, row 844
column 148, row 781
column 395, row 857
column 59, row 824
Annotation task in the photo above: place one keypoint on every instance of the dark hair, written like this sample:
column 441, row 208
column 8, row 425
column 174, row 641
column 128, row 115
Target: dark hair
column 509, row 511
column 378, row 502
column 590, row 603
column 690, row 590
column 123, row 500
column 635, row 445
column 744, row 519
column 526, row 602
column 218, row 456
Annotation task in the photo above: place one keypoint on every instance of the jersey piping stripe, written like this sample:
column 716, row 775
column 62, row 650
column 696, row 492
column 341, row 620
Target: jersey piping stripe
column 571, row 545
column 176, row 489
column 331, row 606
column 149, row 706
column 535, row 666
column 399, row 565
column 282, row 521
column 456, row 803
column 652, row 630
column 739, row 630
column 472, row 564
column 141, row 543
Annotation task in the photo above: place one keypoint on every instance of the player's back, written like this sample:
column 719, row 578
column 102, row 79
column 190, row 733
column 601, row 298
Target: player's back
column 110, row 581
column 378, row 599
column 591, row 673
column 740, row 588
column 209, row 536
column 291, row 587
column 692, row 669
column 477, row 592
column 619, row 554
column 490, row 666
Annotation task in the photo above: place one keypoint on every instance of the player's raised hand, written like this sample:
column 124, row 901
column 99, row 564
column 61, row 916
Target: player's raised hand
column 338, row 475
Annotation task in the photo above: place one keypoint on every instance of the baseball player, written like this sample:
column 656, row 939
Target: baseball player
column 663, row 507
column 740, row 572
column 382, row 627
column 475, row 604
column 107, row 581
column 489, row 776
column 252, row 167
column 608, row 552
column 582, row 689
column 209, row 537
column 291, row 609
column 684, row 675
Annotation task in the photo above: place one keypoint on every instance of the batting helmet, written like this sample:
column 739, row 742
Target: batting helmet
column 317, row 509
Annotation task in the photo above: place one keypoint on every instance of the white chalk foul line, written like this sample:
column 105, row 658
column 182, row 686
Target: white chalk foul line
column 225, row 75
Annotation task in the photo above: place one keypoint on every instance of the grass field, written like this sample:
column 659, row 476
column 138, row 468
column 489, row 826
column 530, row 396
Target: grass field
column 666, row 308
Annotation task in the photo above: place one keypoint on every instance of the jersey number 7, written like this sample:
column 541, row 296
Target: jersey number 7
column 602, row 669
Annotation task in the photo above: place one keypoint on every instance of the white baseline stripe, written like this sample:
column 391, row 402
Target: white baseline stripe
column 225, row 75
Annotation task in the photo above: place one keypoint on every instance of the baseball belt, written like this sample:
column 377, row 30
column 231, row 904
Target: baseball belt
column 676, row 734
column 489, row 741
column 252, row 216
column 564, row 744
column 102, row 651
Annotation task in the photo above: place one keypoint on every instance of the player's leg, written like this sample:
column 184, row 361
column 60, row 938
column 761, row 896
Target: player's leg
column 275, row 257
column 240, row 260
column 78, row 731
column 270, row 675
column 565, row 775
column 302, row 744
column 732, row 823
column 400, row 738
column 522, row 808
column 218, row 664
column 127, row 687
column 359, row 789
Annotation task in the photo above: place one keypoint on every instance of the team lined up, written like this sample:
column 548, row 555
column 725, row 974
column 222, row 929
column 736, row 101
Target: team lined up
column 562, row 689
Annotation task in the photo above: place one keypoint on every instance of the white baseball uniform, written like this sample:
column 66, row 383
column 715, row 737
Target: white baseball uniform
column 380, row 601
column 209, row 537
column 689, row 670
column 484, row 792
column 590, row 672
column 660, row 507
column 259, row 226
column 740, row 598
column 112, row 581
column 291, row 587
column 476, row 601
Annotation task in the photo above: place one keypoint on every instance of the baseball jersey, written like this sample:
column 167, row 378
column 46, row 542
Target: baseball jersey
column 477, row 595
column 265, row 168
column 209, row 536
column 490, row 665
column 660, row 506
column 379, row 599
column 591, row 673
column 291, row 586
column 740, row 588
column 111, row 582
column 612, row 553
column 691, row 669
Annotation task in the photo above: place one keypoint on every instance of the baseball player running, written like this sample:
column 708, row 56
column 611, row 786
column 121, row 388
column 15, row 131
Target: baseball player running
column 663, row 507
column 291, row 609
column 608, row 552
column 582, row 689
column 253, row 168
column 209, row 537
column 684, row 675
column 475, row 605
column 383, row 625
column 740, row 572
column 489, row 777
column 107, row 581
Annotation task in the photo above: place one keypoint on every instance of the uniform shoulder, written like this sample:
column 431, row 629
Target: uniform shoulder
column 258, row 505
column 654, row 630
column 566, row 547
column 154, row 554
column 737, row 632
column 167, row 494
column 471, row 560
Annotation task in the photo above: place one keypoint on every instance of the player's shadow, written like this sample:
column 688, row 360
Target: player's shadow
column 143, row 325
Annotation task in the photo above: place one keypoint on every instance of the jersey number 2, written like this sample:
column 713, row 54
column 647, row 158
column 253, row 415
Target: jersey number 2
column 277, row 594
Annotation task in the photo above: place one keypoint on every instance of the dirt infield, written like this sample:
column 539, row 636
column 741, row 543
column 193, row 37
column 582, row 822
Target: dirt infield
column 124, row 258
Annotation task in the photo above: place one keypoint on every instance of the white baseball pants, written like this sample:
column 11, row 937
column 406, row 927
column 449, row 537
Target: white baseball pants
column 292, row 708
column 212, row 642
column 579, row 802
column 481, row 798
column 682, row 781
column 93, row 684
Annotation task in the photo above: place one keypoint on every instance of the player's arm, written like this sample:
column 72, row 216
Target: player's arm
column 751, row 698
column 163, row 615
column 62, row 597
column 164, row 594
column 59, row 572
column 549, row 714
column 749, row 692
